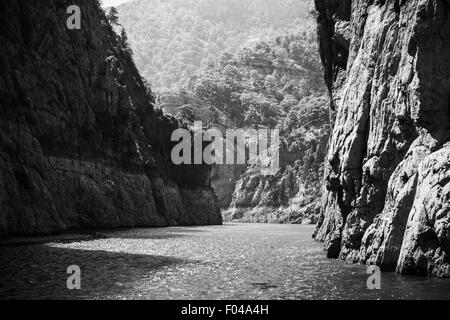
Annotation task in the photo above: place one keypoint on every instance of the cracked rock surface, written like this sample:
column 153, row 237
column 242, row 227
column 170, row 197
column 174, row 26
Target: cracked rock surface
column 387, row 175
column 81, row 144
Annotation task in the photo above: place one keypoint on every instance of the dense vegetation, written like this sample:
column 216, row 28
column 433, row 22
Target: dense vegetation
column 275, row 84
column 241, row 63
column 172, row 39
column 260, row 86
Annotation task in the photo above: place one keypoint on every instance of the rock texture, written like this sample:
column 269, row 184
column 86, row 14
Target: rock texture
column 80, row 142
column 387, row 180
column 186, row 109
column 290, row 196
column 223, row 180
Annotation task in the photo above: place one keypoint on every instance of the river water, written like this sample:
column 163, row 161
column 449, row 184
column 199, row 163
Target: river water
column 234, row 261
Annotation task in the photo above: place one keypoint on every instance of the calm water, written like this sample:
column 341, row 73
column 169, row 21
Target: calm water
column 235, row 261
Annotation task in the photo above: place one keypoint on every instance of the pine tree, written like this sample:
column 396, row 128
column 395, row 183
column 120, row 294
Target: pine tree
column 124, row 44
column 113, row 16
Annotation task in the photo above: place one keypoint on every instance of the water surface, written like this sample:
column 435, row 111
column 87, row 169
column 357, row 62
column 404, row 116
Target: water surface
column 234, row 261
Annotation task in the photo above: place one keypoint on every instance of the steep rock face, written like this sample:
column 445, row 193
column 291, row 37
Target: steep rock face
column 292, row 195
column 223, row 180
column 80, row 142
column 187, row 109
column 387, row 185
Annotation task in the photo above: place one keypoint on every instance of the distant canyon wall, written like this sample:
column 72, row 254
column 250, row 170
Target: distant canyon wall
column 387, row 181
column 292, row 195
column 81, row 144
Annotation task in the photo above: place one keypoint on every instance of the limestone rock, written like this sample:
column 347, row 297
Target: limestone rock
column 289, row 196
column 81, row 144
column 387, row 69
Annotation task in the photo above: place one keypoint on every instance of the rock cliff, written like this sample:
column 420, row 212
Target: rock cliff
column 188, row 109
column 81, row 144
column 387, row 179
column 292, row 195
column 282, row 198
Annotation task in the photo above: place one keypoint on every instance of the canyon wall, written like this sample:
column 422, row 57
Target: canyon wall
column 387, row 181
column 188, row 109
column 81, row 144
column 292, row 195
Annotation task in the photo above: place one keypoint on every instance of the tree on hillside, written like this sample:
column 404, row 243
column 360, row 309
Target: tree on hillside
column 125, row 46
column 260, row 110
column 113, row 16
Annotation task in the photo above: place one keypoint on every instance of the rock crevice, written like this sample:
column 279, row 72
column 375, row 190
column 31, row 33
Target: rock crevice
column 383, row 203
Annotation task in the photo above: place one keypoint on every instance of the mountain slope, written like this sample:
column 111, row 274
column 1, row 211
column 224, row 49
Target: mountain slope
column 172, row 39
column 275, row 84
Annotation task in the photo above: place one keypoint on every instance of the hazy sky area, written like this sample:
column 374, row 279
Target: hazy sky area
column 110, row 3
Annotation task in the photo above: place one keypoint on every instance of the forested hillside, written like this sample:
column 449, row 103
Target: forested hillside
column 261, row 85
column 172, row 39
column 274, row 84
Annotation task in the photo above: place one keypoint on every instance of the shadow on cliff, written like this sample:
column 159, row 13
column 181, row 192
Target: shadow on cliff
column 40, row 272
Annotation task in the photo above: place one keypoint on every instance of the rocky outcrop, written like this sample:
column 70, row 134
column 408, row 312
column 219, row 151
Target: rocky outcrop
column 187, row 109
column 81, row 144
column 171, row 103
column 223, row 181
column 282, row 198
column 292, row 195
column 387, row 179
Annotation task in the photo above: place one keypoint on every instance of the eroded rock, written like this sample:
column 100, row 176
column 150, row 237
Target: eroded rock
column 81, row 144
column 389, row 86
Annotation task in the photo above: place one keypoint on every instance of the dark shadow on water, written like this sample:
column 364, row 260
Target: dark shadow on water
column 39, row 272
column 151, row 233
column 75, row 235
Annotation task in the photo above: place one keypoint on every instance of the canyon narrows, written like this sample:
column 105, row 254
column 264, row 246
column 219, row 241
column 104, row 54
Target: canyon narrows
column 220, row 154
column 86, row 145
column 387, row 182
